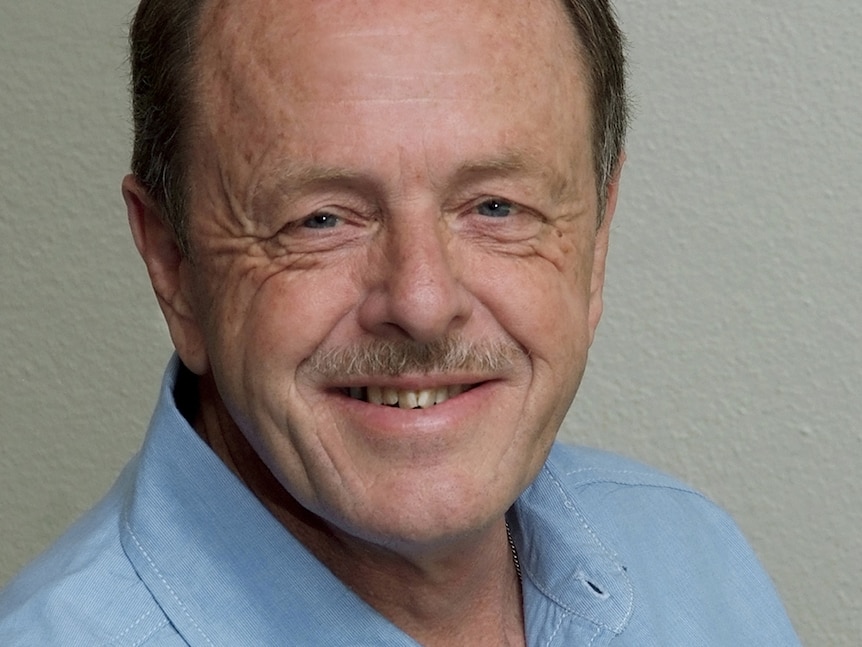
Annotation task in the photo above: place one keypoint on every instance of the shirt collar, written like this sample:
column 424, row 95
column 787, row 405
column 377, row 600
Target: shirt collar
column 564, row 560
column 226, row 572
column 218, row 563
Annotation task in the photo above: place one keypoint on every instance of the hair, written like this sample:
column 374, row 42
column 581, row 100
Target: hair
column 162, row 39
column 161, row 52
column 602, row 44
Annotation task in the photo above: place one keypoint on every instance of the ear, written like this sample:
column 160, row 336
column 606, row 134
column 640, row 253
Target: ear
column 600, row 252
column 171, row 273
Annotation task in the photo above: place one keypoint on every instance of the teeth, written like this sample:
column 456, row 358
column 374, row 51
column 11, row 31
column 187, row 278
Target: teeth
column 408, row 399
column 425, row 398
column 375, row 395
column 421, row 399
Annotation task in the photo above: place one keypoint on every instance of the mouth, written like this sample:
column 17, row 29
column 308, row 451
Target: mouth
column 406, row 398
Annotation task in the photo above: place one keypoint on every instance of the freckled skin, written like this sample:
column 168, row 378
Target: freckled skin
column 398, row 119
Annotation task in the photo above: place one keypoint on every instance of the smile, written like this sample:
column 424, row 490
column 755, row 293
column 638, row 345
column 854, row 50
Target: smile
column 405, row 398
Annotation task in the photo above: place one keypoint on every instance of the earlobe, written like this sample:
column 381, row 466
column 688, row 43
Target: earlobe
column 600, row 251
column 169, row 271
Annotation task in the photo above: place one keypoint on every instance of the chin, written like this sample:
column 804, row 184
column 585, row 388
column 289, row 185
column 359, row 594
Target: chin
column 410, row 518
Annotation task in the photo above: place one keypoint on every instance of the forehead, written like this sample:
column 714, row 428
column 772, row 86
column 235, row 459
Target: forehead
column 270, row 21
column 296, row 42
column 314, row 71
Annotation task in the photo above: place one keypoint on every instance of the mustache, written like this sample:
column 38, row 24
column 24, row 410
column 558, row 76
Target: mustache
column 391, row 358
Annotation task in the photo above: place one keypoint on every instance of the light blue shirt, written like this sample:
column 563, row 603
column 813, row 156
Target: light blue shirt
column 180, row 552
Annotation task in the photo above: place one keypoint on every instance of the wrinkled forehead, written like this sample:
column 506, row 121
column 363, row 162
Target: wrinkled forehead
column 451, row 78
column 272, row 16
column 290, row 37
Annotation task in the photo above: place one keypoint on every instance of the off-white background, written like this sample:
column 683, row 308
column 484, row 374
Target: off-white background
column 731, row 351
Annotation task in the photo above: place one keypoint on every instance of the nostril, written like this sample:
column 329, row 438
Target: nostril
column 415, row 293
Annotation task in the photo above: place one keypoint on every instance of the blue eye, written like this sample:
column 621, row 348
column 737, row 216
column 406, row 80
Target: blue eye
column 320, row 221
column 495, row 208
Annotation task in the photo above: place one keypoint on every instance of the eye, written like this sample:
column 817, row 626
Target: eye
column 321, row 221
column 329, row 225
column 499, row 219
column 494, row 208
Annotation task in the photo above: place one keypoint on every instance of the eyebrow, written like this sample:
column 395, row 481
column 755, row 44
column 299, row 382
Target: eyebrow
column 517, row 162
column 290, row 178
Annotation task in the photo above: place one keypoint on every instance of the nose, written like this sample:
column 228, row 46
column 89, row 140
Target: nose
column 415, row 290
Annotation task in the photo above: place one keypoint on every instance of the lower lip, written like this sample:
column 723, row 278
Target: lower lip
column 382, row 421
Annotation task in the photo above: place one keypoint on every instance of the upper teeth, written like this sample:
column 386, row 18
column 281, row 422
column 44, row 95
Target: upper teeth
column 405, row 399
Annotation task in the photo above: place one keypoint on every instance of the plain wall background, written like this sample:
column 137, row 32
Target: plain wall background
column 731, row 349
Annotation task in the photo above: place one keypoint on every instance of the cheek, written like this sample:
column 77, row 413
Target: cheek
column 291, row 314
column 263, row 316
column 541, row 300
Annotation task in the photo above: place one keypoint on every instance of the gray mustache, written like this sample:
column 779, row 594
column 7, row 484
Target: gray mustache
column 392, row 358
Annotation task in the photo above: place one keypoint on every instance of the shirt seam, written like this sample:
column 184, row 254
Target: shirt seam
column 556, row 629
column 569, row 504
column 594, row 636
column 658, row 486
column 138, row 621
column 643, row 478
column 164, row 623
column 162, row 579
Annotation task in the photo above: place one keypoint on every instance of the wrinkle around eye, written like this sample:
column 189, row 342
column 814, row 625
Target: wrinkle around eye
column 502, row 220
column 321, row 232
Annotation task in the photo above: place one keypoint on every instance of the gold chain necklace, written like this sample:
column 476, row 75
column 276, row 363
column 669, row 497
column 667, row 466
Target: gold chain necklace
column 514, row 551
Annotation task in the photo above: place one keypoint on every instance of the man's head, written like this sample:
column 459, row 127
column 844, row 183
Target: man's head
column 164, row 40
column 389, row 203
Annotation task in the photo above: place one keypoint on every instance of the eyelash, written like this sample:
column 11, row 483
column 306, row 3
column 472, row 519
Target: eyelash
column 326, row 220
column 491, row 210
column 317, row 218
column 497, row 203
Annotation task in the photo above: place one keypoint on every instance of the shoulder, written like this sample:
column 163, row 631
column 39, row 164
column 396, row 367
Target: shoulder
column 687, row 561
column 83, row 590
column 591, row 476
column 580, row 466
column 630, row 503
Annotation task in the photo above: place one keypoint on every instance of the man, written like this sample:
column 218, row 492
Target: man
column 377, row 232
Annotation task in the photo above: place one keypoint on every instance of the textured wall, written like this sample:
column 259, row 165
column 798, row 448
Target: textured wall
column 731, row 351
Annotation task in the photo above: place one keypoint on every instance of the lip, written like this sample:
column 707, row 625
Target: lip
column 413, row 382
column 381, row 422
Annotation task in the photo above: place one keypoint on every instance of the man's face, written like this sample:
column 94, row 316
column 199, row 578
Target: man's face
column 412, row 173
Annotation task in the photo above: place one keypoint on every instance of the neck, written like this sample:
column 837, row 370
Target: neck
column 464, row 591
